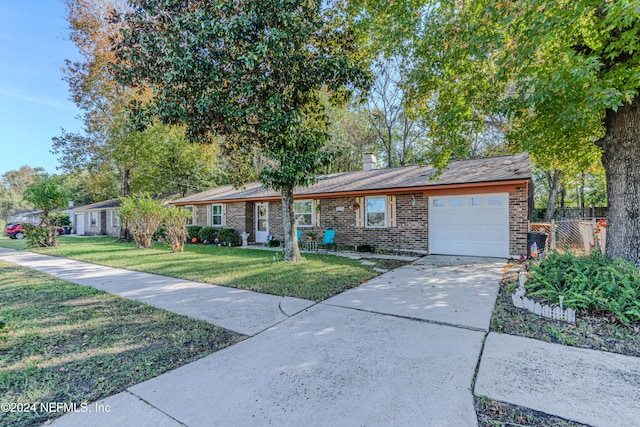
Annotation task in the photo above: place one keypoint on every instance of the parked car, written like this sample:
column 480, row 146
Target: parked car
column 15, row 231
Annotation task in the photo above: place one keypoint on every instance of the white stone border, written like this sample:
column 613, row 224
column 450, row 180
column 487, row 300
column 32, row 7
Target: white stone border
column 521, row 301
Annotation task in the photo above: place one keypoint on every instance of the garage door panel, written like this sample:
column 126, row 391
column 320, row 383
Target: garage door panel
column 474, row 225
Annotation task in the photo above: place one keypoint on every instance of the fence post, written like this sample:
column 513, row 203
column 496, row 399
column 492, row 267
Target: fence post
column 553, row 235
column 594, row 227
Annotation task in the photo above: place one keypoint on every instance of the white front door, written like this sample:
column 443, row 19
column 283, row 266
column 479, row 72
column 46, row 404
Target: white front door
column 262, row 222
column 475, row 224
column 80, row 225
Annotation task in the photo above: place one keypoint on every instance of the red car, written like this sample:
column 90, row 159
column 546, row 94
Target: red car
column 15, row 230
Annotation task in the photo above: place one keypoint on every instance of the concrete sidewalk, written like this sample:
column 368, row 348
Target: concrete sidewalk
column 238, row 310
column 588, row 386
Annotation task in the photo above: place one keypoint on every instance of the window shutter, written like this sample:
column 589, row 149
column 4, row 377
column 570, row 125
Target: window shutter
column 360, row 212
column 316, row 212
column 209, row 213
column 391, row 211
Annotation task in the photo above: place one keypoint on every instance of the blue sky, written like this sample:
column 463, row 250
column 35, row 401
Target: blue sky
column 34, row 100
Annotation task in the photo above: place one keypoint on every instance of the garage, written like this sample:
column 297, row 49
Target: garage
column 475, row 225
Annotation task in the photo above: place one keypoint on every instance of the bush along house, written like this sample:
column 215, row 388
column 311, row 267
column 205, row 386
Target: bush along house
column 476, row 207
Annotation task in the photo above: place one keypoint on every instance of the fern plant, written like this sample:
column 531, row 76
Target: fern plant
column 592, row 284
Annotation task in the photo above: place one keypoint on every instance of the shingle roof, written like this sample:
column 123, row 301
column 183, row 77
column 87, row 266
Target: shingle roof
column 489, row 170
column 105, row 204
column 115, row 203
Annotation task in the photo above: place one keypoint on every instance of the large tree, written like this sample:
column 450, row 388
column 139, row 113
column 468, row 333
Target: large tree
column 156, row 159
column 566, row 68
column 249, row 71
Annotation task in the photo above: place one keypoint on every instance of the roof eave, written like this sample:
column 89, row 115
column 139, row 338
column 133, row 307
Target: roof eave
column 337, row 194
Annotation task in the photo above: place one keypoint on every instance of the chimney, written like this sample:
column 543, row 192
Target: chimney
column 368, row 161
column 70, row 204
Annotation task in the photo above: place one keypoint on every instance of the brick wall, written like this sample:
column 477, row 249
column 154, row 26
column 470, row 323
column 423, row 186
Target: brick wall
column 409, row 234
column 276, row 225
column 235, row 218
column 200, row 215
column 239, row 216
column 518, row 217
column 249, row 224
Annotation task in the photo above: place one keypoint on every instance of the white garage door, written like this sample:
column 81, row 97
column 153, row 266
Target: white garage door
column 476, row 225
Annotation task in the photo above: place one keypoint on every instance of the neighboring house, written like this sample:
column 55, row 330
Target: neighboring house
column 96, row 219
column 102, row 218
column 475, row 207
column 34, row 216
column 31, row 216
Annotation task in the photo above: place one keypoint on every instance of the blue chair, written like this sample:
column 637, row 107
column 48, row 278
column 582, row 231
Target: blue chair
column 299, row 234
column 329, row 239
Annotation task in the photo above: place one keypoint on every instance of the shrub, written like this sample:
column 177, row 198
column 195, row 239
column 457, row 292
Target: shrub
column 273, row 243
column 208, row 234
column 590, row 283
column 38, row 237
column 142, row 215
column 59, row 219
column 175, row 229
column 193, row 231
column 226, row 235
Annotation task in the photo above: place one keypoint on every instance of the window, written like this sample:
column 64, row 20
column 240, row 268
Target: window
column 189, row 220
column 495, row 200
column 115, row 219
column 438, row 202
column 303, row 213
column 476, row 201
column 93, row 218
column 456, row 201
column 376, row 212
column 216, row 215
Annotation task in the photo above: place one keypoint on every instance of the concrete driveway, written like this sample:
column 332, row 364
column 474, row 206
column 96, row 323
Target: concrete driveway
column 399, row 350
column 457, row 291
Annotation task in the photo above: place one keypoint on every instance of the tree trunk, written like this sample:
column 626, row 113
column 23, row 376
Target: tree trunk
column 126, row 182
column 553, row 195
column 50, row 239
column 620, row 158
column 125, row 234
column 291, row 249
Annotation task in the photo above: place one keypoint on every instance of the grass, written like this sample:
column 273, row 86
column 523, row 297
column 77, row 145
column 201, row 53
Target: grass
column 317, row 278
column 63, row 342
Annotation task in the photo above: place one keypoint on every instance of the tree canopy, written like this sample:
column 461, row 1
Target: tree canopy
column 249, row 71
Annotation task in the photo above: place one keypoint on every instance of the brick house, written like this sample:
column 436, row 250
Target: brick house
column 475, row 207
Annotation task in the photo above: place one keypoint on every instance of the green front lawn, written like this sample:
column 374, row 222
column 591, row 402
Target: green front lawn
column 317, row 278
column 65, row 343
